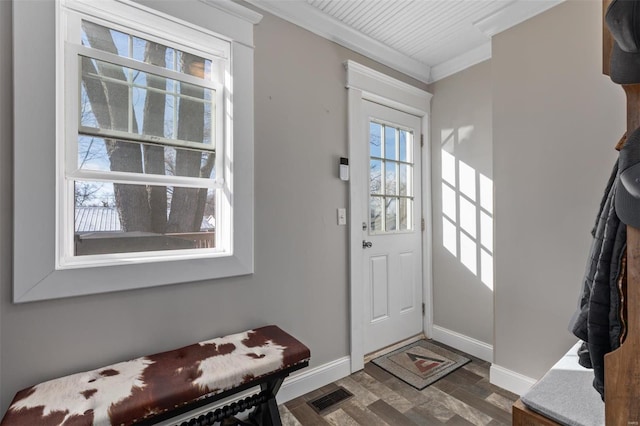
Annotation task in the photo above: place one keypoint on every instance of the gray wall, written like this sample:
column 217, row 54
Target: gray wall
column 6, row 169
column 301, row 266
column 556, row 119
column 461, row 126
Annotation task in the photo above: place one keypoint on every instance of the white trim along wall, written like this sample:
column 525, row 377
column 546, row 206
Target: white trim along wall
column 510, row 380
column 463, row 343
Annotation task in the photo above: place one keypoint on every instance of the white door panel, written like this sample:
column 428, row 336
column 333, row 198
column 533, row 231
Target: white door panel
column 408, row 281
column 379, row 288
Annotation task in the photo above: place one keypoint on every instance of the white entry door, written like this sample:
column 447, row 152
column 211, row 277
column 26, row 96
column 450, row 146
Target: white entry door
column 391, row 227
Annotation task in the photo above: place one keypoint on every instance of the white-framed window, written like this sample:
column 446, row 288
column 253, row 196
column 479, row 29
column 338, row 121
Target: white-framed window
column 142, row 139
column 144, row 150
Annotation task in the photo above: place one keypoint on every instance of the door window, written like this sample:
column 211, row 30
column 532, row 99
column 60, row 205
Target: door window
column 391, row 189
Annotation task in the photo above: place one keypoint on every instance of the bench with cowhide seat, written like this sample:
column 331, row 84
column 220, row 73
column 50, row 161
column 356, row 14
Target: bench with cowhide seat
column 158, row 387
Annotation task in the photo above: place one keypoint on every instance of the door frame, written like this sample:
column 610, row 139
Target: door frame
column 364, row 83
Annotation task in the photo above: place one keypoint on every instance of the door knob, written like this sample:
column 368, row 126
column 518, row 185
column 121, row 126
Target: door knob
column 366, row 244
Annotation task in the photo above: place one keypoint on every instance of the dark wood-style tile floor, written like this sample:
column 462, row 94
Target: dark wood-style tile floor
column 464, row 397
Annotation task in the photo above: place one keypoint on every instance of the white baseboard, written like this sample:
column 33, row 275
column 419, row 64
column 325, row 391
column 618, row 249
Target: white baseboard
column 510, row 380
column 467, row 344
column 314, row 378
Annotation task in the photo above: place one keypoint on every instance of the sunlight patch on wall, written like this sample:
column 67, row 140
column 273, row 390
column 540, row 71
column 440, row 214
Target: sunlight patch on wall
column 468, row 216
column 467, row 181
column 449, row 238
column 448, row 168
column 468, row 250
column 467, row 209
column 486, row 193
column 449, row 203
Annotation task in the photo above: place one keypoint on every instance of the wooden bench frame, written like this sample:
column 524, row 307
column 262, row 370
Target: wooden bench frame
column 266, row 412
column 523, row 416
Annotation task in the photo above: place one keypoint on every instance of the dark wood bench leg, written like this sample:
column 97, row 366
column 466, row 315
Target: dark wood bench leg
column 267, row 414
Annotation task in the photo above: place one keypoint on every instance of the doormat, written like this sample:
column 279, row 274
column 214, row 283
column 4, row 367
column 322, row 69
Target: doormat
column 421, row 363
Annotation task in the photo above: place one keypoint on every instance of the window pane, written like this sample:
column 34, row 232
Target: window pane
column 375, row 214
column 123, row 99
column 375, row 177
column 107, row 155
column 106, row 39
column 406, row 206
column 390, row 143
column 106, row 94
column 375, row 139
column 139, row 47
column 391, row 178
column 128, row 46
column 391, row 204
column 119, row 218
column 87, row 116
column 406, row 181
column 405, row 146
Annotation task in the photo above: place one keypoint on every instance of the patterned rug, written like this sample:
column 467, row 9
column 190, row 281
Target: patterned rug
column 421, row 363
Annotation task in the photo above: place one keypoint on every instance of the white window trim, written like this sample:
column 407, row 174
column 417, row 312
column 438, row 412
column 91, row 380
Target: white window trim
column 35, row 204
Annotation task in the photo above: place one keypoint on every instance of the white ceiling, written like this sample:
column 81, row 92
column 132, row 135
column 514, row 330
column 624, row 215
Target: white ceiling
column 426, row 39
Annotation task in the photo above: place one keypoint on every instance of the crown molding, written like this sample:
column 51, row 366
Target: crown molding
column 461, row 62
column 311, row 19
column 306, row 16
column 236, row 10
column 512, row 14
column 509, row 16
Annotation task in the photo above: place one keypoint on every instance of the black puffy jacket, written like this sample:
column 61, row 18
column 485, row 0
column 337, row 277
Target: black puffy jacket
column 597, row 320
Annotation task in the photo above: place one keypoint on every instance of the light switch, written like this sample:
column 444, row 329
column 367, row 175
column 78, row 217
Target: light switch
column 342, row 216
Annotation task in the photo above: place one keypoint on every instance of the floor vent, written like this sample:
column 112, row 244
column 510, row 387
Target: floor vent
column 329, row 400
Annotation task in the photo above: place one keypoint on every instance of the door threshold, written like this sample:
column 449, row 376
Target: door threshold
column 391, row 348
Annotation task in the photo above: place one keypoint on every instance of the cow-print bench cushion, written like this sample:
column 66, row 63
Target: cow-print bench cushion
column 127, row 392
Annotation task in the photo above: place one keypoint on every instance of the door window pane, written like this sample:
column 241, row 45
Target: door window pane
column 405, row 219
column 405, row 146
column 390, row 143
column 375, row 139
column 375, row 177
column 391, row 214
column 390, row 176
column 375, row 212
column 405, row 180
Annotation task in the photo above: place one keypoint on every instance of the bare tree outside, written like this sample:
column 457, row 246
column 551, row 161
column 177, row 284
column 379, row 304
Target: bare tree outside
column 108, row 93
